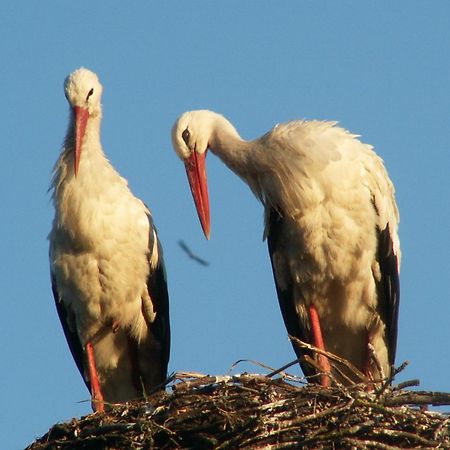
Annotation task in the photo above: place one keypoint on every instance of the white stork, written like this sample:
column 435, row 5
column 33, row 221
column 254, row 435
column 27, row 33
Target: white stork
column 107, row 269
column 331, row 222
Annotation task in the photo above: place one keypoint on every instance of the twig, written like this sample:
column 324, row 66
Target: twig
column 329, row 355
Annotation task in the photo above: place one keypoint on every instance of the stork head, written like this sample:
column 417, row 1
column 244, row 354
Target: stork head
column 191, row 134
column 83, row 92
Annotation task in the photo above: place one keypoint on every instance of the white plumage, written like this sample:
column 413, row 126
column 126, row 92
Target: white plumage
column 331, row 221
column 106, row 262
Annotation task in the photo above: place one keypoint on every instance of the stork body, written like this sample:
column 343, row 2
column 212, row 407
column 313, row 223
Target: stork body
column 331, row 224
column 106, row 262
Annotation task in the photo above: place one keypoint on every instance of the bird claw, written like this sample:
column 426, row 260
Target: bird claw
column 372, row 359
column 115, row 326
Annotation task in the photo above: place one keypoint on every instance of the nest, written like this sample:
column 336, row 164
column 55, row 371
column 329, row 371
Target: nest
column 257, row 411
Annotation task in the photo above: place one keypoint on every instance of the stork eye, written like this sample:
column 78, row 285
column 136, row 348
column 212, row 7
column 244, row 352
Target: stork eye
column 90, row 93
column 186, row 136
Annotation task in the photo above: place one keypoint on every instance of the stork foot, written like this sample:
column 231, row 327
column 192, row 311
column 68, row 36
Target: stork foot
column 372, row 368
column 115, row 326
column 322, row 360
column 97, row 400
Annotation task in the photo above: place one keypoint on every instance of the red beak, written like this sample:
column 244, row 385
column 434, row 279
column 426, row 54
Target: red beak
column 196, row 172
column 81, row 118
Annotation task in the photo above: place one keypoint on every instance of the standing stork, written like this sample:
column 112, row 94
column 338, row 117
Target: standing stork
column 106, row 262
column 331, row 224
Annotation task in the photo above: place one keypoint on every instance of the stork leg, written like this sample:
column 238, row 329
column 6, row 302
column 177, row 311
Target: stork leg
column 96, row 393
column 322, row 360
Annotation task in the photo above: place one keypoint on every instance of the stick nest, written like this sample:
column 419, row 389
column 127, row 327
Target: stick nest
column 255, row 411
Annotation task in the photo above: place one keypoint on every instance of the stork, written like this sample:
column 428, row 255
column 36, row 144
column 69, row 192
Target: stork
column 331, row 223
column 107, row 269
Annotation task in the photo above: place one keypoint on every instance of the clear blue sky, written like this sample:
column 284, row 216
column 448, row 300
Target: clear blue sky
column 382, row 69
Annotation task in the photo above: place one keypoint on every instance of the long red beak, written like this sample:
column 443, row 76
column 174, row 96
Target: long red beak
column 81, row 118
column 196, row 172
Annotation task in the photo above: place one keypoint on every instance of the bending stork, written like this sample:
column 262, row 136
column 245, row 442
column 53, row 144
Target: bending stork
column 331, row 224
column 106, row 262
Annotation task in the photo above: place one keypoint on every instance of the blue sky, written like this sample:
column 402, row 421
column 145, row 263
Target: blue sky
column 382, row 69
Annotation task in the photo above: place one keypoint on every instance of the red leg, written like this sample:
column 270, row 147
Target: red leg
column 96, row 393
column 324, row 364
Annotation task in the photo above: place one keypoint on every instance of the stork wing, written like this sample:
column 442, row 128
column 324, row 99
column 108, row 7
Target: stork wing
column 388, row 251
column 157, row 289
column 71, row 335
column 388, row 288
column 296, row 324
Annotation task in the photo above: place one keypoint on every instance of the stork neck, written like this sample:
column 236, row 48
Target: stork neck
column 91, row 141
column 91, row 152
column 229, row 146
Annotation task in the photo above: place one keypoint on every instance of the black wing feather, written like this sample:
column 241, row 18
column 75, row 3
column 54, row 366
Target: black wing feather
column 388, row 289
column 294, row 324
column 157, row 288
column 71, row 336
